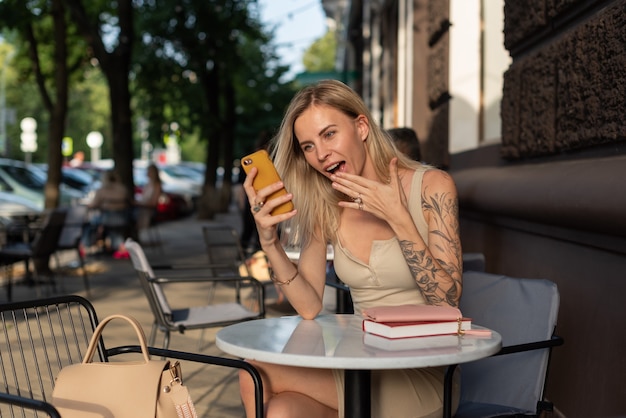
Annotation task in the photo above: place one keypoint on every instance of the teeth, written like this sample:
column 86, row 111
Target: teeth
column 332, row 167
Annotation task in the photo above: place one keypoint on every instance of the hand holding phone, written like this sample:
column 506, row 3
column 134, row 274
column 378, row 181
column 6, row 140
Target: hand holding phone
column 266, row 175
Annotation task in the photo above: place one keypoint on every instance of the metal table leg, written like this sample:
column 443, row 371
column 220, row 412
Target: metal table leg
column 357, row 394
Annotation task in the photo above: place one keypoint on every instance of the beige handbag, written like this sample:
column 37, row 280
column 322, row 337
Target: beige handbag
column 130, row 389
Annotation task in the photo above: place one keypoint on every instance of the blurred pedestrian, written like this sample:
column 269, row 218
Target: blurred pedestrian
column 146, row 203
column 112, row 200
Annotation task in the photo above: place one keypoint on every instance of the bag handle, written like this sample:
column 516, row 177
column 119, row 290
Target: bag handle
column 91, row 349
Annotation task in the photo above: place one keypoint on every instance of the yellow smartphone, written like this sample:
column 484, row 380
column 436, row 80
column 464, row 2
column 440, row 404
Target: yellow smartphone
column 265, row 176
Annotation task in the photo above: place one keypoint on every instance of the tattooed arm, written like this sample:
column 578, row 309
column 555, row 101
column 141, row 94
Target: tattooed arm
column 437, row 268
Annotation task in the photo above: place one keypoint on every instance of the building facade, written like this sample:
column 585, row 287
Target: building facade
column 524, row 103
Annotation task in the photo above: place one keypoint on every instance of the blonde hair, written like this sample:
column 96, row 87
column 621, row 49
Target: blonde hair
column 315, row 199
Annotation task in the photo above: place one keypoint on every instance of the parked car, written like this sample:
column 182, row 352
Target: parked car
column 74, row 177
column 28, row 181
column 16, row 214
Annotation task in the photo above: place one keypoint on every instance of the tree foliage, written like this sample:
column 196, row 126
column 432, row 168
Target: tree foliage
column 207, row 65
column 44, row 38
column 321, row 55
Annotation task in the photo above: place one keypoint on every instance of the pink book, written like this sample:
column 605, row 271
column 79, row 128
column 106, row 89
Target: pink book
column 408, row 313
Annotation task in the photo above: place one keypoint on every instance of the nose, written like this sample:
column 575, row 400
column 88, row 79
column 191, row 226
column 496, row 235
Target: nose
column 322, row 152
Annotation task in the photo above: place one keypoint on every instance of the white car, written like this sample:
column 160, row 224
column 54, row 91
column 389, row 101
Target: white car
column 28, row 182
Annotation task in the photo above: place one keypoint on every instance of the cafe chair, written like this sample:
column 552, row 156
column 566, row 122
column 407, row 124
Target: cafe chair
column 473, row 262
column 42, row 336
column 71, row 236
column 28, row 404
column 230, row 308
column 227, row 258
column 510, row 383
column 42, row 246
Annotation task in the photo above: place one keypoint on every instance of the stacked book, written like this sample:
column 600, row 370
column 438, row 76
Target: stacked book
column 406, row 321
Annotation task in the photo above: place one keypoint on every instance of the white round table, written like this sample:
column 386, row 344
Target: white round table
column 338, row 342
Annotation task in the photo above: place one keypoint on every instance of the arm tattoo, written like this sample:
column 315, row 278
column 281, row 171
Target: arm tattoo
column 439, row 281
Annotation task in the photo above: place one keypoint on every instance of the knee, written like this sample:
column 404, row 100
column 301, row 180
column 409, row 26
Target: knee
column 281, row 406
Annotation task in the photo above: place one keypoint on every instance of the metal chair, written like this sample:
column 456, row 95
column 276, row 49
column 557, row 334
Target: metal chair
column 227, row 258
column 71, row 235
column 211, row 315
column 43, row 245
column 511, row 383
column 28, row 404
column 40, row 337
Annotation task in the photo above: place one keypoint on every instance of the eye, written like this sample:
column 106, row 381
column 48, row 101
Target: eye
column 329, row 134
column 307, row 147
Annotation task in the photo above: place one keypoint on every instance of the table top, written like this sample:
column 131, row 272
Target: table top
column 294, row 253
column 338, row 342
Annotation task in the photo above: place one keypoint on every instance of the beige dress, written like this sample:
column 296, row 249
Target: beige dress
column 386, row 281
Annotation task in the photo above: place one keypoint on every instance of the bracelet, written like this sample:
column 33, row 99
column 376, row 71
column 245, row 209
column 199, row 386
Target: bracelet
column 286, row 282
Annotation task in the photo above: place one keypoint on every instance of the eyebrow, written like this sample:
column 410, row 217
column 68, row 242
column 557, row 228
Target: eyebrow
column 324, row 129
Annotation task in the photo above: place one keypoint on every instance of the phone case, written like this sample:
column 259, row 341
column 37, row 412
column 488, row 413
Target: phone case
column 266, row 175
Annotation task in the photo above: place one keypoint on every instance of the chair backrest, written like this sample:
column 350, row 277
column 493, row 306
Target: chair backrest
column 72, row 231
column 37, row 339
column 521, row 310
column 224, row 250
column 46, row 241
column 153, row 290
column 473, row 262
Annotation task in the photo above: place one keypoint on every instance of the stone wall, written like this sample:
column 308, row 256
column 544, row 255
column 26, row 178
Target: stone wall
column 435, row 150
column 548, row 202
column 566, row 88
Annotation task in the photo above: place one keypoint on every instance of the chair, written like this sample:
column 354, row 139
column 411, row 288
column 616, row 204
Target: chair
column 167, row 319
column 524, row 312
column 40, row 337
column 28, row 404
column 43, row 245
column 473, row 262
column 226, row 255
column 71, row 235
column 224, row 250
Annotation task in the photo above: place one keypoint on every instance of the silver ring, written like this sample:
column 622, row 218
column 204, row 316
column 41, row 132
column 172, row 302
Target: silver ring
column 358, row 200
column 257, row 207
column 360, row 205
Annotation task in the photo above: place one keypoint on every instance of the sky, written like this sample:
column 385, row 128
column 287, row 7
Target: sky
column 298, row 24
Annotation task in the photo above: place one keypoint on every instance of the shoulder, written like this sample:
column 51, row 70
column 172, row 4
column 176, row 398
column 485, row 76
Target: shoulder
column 438, row 181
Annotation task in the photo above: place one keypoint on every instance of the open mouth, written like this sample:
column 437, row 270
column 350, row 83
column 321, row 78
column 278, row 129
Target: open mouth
column 335, row 167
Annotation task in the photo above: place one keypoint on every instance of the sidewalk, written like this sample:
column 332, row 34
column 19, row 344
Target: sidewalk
column 115, row 288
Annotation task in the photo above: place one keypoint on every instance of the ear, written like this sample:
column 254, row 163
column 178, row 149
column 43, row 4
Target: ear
column 362, row 126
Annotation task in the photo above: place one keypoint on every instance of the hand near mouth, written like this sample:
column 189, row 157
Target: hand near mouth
column 382, row 199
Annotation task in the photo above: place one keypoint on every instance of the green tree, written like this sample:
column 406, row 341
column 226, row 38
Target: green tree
column 210, row 64
column 321, row 55
column 44, row 33
column 113, row 21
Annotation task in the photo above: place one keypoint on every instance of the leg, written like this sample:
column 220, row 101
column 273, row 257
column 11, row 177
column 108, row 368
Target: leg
column 303, row 391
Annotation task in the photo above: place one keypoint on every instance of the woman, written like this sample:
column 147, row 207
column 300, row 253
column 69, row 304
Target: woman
column 146, row 203
column 113, row 201
column 393, row 223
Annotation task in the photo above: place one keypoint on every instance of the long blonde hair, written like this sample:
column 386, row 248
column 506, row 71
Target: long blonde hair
column 315, row 199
